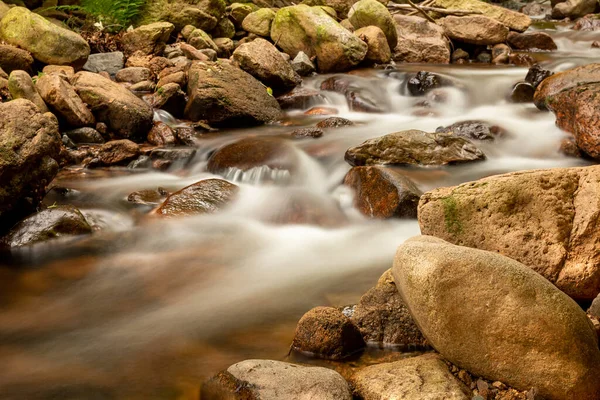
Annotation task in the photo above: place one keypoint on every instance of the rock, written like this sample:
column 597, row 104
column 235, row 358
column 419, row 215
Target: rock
column 382, row 192
column 494, row 213
column 29, row 147
column 522, row 92
column 47, row 42
column 521, row 59
column 531, row 40
column 575, row 110
column 334, row 122
column 383, row 318
column 161, row 135
column 201, row 40
column 170, row 98
column 214, row 96
column 512, row 19
column 143, row 87
column 3, row 9
column 587, row 24
column 560, row 81
column 423, row 377
column 21, row 86
column 253, row 152
column 108, row 62
column 300, row 98
column 460, row 54
column 302, row 64
column 423, row 82
column 275, row 380
column 12, row 58
column 118, row 152
column 420, row 41
column 124, row 113
column 359, row 95
column 366, row 13
column 569, row 148
column 179, row 78
column 474, row 29
column 413, row 147
column 60, row 96
column 484, row 57
column 148, row 197
column 210, row 53
column 85, row 136
column 500, row 53
column 203, row 14
column 474, row 130
column 536, row 75
column 133, row 75
column 155, row 64
column 263, row 61
column 147, row 39
column 313, row 31
column 64, row 71
column 239, row 11
column 48, row 224
column 259, row 22
column 225, row 47
column 378, row 50
column 325, row 332
column 205, row 197
column 192, row 53
column 301, row 133
column 594, row 309
column 224, row 29
column 442, row 286
column 573, row 9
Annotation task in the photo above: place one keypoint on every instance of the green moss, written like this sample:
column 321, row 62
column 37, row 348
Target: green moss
column 451, row 215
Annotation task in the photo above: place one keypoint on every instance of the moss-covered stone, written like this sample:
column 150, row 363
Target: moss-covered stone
column 313, row 31
column 47, row 42
column 201, row 40
column 371, row 12
column 203, row 14
column 259, row 22
column 224, row 29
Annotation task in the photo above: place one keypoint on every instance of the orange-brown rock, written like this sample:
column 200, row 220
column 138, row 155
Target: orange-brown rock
column 552, row 85
column 204, row 197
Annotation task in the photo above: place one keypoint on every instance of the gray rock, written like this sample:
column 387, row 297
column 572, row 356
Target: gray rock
column 108, row 62
column 85, row 135
column 302, row 64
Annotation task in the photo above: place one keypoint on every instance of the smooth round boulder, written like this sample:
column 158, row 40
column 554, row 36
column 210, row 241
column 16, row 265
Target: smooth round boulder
column 378, row 50
column 46, row 41
column 21, row 86
column 12, row 58
column 382, row 192
column 474, row 29
column 560, row 81
column 531, row 41
column 490, row 315
column 325, row 332
column 147, row 39
column 205, row 197
column 263, row 61
column 124, row 113
column 48, row 224
column 365, row 13
column 259, row 22
column 224, row 29
column 414, row 147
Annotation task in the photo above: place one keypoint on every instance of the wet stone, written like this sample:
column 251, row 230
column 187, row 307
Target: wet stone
column 51, row 223
column 85, row 135
column 423, row 82
column 148, row 197
column 142, row 162
column 334, row 122
column 161, row 135
column 204, row 197
column 325, row 332
column 118, row 152
column 537, row 74
column 307, row 133
column 179, row 156
column 473, row 130
column 522, row 92
column 300, row 98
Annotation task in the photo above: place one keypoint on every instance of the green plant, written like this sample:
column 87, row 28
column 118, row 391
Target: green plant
column 111, row 14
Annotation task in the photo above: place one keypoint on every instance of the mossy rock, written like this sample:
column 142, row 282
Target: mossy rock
column 47, row 42
column 203, row 14
column 239, row 11
column 372, row 13
column 224, row 28
column 201, row 40
column 259, row 22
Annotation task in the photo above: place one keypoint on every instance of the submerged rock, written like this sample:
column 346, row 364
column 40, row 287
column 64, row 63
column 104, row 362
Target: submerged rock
column 383, row 318
column 334, row 122
column 215, row 96
column 205, row 197
column 275, row 380
column 382, row 192
column 423, row 377
column 414, row 147
column 48, row 224
column 307, row 133
column 29, row 148
column 498, row 212
column 46, row 41
column 316, row 33
column 423, row 82
column 325, row 332
column 442, row 286
column 474, row 130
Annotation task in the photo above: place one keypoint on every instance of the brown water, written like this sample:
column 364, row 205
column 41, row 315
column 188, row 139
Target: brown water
column 147, row 309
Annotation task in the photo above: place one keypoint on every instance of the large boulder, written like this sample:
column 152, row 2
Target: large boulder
column 546, row 219
column 205, row 197
column 420, row 41
column 316, row 33
column 123, row 112
column 372, row 13
column 148, row 39
column 474, row 29
column 275, row 380
column 61, row 97
column 416, row 378
column 29, row 147
column 574, row 8
column 215, row 96
column 263, row 61
column 560, row 81
column 259, row 22
column 513, row 19
column 105, row 62
column 576, row 111
column 414, row 147
column 46, row 41
column 498, row 319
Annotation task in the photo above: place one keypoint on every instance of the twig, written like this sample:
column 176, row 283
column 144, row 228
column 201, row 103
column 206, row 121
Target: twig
column 443, row 11
column 413, row 5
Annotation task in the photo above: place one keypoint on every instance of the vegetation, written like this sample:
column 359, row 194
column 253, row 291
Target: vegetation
column 114, row 15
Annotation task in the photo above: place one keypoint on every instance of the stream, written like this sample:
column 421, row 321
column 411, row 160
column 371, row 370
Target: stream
column 149, row 308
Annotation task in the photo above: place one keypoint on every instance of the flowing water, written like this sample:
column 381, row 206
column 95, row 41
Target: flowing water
column 147, row 309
